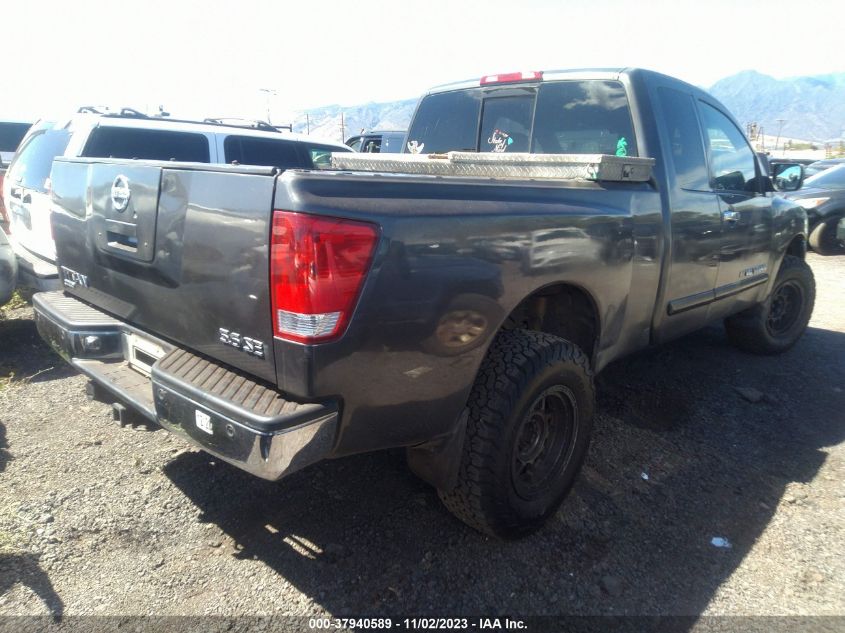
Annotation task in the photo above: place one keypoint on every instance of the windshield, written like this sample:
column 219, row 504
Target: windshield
column 833, row 178
column 560, row 117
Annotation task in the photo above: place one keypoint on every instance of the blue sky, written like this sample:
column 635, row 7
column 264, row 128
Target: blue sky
column 211, row 58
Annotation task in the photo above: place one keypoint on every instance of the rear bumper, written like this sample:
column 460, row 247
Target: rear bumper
column 219, row 410
column 33, row 271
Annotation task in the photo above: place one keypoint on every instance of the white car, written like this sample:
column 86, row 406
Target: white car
column 129, row 134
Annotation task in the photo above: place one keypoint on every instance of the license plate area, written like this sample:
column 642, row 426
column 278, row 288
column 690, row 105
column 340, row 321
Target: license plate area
column 141, row 353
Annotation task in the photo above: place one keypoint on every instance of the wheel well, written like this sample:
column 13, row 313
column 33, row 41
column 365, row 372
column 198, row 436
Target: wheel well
column 797, row 247
column 561, row 310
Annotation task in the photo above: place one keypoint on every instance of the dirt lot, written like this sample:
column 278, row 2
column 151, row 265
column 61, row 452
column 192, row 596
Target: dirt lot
column 98, row 519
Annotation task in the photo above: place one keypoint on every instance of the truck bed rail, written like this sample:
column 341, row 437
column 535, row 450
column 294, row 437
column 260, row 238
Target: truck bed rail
column 600, row 167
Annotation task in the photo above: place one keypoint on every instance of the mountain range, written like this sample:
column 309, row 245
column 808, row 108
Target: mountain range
column 812, row 108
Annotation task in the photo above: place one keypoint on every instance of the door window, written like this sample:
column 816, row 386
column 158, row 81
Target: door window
column 684, row 135
column 732, row 163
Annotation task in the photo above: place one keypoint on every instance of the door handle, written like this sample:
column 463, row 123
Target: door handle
column 731, row 217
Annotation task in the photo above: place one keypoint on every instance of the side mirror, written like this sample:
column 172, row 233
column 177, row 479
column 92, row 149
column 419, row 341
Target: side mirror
column 786, row 177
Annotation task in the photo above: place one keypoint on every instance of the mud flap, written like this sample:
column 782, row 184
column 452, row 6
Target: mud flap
column 437, row 462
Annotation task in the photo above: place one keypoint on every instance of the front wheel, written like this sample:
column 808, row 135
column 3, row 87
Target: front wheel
column 530, row 416
column 775, row 325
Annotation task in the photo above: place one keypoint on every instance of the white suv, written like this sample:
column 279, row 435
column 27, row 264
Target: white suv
column 128, row 134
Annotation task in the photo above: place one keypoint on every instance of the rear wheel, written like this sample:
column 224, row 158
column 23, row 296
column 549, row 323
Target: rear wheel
column 530, row 416
column 824, row 239
column 776, row 324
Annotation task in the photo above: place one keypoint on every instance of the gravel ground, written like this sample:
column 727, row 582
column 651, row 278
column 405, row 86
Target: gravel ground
column 99, row 519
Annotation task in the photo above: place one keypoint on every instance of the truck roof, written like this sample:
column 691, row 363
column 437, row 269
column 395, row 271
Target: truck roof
column 574, row 73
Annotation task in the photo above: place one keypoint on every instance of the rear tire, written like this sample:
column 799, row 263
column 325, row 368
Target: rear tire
column 775, row 325
column 530, row 416
column 823, row 239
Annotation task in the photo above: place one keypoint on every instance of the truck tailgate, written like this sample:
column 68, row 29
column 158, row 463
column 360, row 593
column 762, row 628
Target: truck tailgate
column 180, row 250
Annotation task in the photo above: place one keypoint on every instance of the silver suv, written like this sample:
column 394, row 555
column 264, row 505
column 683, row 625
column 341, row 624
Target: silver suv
column 129, row 134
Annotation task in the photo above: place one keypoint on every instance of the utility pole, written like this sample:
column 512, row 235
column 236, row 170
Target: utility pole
column 307, row 124
column 780, row 128
column 268, row 92
column 342, row 128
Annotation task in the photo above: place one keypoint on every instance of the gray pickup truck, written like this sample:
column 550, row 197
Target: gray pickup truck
column 275, row 320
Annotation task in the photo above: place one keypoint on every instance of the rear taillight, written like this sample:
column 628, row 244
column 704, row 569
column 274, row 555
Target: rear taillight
column 317, row 267
column 509, row 78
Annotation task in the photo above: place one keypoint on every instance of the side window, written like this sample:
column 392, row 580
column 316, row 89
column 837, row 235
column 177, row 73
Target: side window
column 143, row 143
column 251, row 150
column 321, row 155
column 355, row 143
column 372, row 145
column 680, row 125
column 506, row 124
column 732, row 163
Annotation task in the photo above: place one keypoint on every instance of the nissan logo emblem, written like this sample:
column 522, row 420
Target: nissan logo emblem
column 120, row 193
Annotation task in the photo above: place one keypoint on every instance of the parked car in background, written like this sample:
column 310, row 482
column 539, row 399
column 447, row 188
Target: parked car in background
column 8, row 269
column 820, row 165
column 130, row 134
column 378, row 142
column 774, row 163
column 823, row 196
column 11, row 135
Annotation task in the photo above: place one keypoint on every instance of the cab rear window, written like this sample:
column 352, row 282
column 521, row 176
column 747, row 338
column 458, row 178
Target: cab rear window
column 583, row 117
column 559, row 117
column 146, row 144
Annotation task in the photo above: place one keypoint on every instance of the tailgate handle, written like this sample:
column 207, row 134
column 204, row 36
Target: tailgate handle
column 122, row 235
